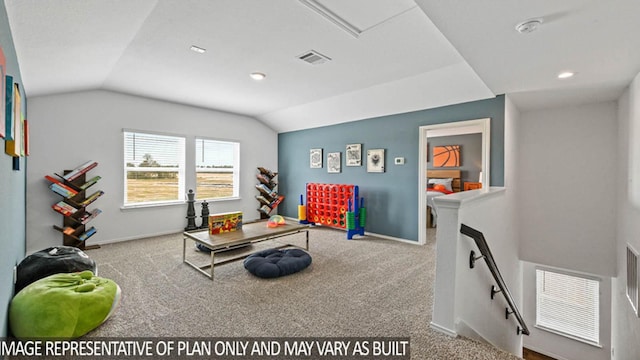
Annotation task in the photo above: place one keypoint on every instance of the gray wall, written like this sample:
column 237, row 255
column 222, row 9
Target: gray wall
column 470, row 154
column 96, row 118
column 391, row 198
column 12, row 192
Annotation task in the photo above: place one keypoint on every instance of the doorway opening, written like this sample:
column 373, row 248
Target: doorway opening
column 481, row 126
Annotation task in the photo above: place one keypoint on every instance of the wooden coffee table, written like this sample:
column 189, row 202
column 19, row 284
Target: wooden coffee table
column 252, row 232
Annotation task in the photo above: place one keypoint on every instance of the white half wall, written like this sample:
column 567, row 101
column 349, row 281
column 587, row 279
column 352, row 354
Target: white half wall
column 462, row 303
column 566, row 181
column 70, row 129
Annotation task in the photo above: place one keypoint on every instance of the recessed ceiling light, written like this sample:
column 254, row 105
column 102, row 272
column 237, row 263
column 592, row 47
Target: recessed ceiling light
column 566, row 74
column 528, row 26
column 257, row 76
column 198, row 49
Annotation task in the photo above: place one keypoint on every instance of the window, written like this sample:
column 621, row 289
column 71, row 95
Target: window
column 217, row 164
column 568, row 305
column 154, row 168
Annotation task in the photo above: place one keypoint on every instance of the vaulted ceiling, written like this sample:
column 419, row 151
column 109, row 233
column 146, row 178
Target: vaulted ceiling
column 383, row 56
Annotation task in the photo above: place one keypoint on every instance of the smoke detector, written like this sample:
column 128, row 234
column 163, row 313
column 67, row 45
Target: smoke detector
column 528, row 26
column 313, row 57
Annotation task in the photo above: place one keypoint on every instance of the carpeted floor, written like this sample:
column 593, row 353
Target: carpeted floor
column 366, row 287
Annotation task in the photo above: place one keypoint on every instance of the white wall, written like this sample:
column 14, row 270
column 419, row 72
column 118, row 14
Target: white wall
column 566, row 178
column 633, row 137
column 625, row 325
column 511, row 150
column 511, row 183
column 70, row 129
column 566, row 181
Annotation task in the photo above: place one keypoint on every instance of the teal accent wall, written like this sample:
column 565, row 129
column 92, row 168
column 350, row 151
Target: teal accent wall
column 391, row 198
column 12, row 193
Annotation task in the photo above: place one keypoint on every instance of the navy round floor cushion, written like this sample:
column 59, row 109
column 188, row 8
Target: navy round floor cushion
column 272, row 263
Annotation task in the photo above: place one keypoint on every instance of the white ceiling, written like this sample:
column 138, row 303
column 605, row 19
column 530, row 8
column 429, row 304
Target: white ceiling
column 399, row 60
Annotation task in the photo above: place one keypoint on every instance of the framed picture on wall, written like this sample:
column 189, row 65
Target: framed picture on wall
column 333, row 162
column 354, row 155
column 3, row 72
column 375, row 160
column 446, row 156
column 13, row 147
column 315, row 158
column 25, row 133
column 8, row 111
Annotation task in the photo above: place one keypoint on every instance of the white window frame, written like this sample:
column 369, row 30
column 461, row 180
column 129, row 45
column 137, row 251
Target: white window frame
column 181, row 170
column 559, row 330
column 236, row 168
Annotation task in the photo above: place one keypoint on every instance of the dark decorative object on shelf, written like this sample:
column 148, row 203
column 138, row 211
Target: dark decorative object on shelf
column 191, row 211
column 204, row 214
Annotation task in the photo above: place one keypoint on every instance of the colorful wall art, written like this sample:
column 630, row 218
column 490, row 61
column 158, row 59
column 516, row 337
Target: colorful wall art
column 446, row 156
column 3, row 73
column 13, row 147
column 8, row 108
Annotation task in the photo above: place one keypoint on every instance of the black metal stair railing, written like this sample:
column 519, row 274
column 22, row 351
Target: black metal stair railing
column 478, row 237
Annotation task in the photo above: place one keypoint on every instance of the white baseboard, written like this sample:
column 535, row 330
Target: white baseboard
column 137, row 237
column 367, row 233
column 443, row 329
column 387, row 237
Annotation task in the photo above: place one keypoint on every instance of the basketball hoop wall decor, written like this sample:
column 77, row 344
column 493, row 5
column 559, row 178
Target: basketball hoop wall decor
column 446, row 156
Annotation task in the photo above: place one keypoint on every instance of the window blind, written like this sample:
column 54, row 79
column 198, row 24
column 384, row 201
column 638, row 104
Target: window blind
column 217, row 168
column 568, row 305
column 151, row 150
column 154, row 167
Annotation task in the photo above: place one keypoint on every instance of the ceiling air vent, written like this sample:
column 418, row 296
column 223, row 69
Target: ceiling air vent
column 313, row 57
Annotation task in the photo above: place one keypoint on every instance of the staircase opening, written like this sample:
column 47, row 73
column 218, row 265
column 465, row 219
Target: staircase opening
column 528, row 354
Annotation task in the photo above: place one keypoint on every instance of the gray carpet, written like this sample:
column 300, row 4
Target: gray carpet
column 365, row 287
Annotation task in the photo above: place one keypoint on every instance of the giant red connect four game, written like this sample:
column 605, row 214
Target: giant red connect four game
column 327, row 204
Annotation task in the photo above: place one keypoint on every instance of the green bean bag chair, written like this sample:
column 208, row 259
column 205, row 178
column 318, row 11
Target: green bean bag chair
column 62, row 306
